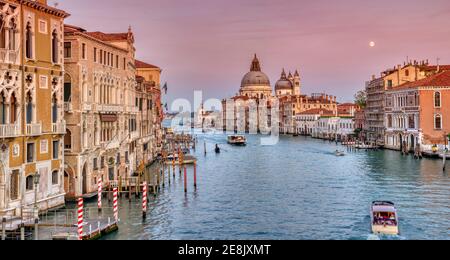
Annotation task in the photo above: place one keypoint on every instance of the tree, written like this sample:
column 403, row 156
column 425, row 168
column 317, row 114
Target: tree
column 361, row 98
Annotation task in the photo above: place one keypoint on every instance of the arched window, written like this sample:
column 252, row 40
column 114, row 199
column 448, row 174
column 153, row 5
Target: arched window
column 29, row 41
column 29, row 108
column 2, row 34
column 55, row 179
column 3, row 111
column 438, row 122
column 55, row 46
column 29, row 183
column 54, row 109
column 68, row 140
column 13, row 109
column 12, row 35
column 437, row 99
column 67, row 88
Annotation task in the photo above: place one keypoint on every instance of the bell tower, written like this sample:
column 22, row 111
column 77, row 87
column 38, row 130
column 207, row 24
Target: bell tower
column 297, row 84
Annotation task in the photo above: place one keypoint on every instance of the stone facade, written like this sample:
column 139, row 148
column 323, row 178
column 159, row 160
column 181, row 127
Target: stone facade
column 31, row 107
column 101, row 109
column 417, row 114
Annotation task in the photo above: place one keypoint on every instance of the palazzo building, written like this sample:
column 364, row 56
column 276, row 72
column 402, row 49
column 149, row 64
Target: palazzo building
column 102, row 109
column 31, row 107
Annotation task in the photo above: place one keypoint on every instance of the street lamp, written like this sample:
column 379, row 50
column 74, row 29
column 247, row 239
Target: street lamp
column 36, row 178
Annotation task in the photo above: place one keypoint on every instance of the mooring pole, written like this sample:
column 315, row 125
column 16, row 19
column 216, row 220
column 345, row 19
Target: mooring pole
column 204, row 146
column 195, row 174
column 22, row 231
column 36, row 229
column 185, row 179
column 443, row 161
column 3, row 228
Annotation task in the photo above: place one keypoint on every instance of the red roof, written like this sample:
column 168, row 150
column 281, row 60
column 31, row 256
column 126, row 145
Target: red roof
column 317, row 111
column 438, row 80
column 108, row 36
column 434, row 68
column 142, row 65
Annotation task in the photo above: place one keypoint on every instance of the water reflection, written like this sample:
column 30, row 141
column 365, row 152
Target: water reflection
column 297, row 189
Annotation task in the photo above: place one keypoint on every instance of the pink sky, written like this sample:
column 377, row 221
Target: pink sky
column 208, row 44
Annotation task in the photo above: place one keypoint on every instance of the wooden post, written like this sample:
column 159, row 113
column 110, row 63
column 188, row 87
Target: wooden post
column 138, row 186
column 444, row 159
column 144, row 201
column 3, row 228
column 22, row 231
column 129, row 190
column 36, row 229
column 163, row 179
column 204, row 145
column 185, row 179
column 195, row 174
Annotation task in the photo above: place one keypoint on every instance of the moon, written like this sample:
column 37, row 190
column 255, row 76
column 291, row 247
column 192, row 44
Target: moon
column 372, row 44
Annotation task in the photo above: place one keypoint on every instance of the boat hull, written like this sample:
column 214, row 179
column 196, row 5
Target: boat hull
column 385, row 230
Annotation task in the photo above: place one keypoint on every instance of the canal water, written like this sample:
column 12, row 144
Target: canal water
column 297, row 189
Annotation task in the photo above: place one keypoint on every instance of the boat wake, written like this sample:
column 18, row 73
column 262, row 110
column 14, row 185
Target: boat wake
column 373, row 237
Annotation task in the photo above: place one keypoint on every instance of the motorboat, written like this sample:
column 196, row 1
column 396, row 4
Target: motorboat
column 174, row 159
column 239, row 140
column 339, row 153
column 384, row 218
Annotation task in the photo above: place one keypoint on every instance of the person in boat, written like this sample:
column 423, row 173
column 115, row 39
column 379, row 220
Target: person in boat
column 217, row 148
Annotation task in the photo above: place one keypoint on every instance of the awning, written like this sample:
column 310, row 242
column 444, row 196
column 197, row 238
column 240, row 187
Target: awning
column 108, row 117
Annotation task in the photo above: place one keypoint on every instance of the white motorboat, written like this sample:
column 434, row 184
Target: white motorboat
column 237, row 140
column 339, row 153
column 384, row 218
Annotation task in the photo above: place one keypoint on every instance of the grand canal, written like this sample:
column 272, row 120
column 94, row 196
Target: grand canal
column 297, row 189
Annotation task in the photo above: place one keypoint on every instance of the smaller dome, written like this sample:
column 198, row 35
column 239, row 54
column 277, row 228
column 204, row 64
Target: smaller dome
column 284, row 83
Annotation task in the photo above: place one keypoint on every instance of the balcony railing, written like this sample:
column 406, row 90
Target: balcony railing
column 8, row 56
column 109, row 108
column 134, row 135
column 10, row 130
column 68, row 107
column 34, row 129
column 59, row 128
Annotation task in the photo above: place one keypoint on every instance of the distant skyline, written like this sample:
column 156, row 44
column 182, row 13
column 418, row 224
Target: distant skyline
column 208, row 45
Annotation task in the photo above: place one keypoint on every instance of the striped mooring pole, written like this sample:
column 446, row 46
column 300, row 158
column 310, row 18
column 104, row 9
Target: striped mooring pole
column 144, row 200
column 100, row 191
column 80, row 219
column 115, row 205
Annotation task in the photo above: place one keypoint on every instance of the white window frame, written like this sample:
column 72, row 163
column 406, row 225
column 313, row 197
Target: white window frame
column 46, row 26
column 434, row 122
column 34, row 153
column 440, row 99
column 43, row 151
column 42, row 77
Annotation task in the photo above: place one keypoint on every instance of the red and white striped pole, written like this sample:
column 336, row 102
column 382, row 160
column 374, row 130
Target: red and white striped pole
column 144, row 200
column 115, row 205
column 100, row 191
column 80, row 219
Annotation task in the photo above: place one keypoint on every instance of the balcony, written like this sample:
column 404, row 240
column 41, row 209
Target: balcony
column 87, row 107
column 9, row 130
column 8, row 56
column 109, row 108
column 59, row 128
column 134, row 135
column 68, row 107
column 34, row 129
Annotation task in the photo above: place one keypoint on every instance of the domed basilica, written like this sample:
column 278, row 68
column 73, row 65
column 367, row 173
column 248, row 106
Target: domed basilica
column 256, row 84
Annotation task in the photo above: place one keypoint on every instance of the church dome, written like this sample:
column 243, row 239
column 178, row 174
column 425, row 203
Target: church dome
column 255, row 77
column 284, row 83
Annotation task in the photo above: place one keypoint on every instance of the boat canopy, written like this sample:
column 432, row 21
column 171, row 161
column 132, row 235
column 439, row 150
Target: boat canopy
column 388, row 209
